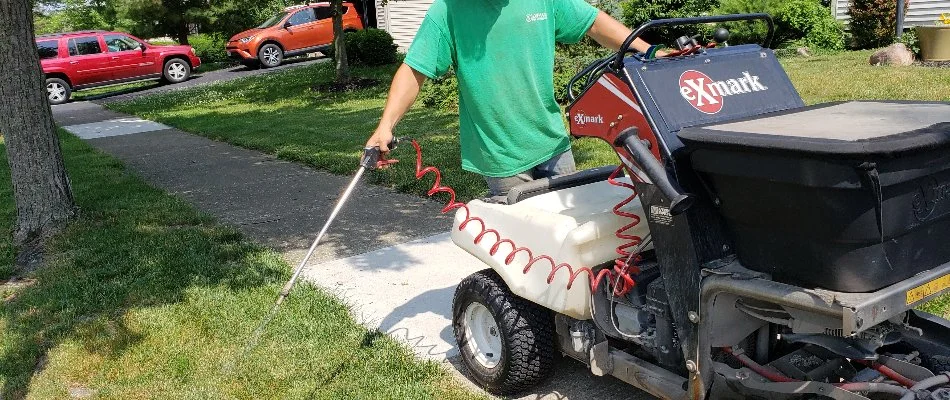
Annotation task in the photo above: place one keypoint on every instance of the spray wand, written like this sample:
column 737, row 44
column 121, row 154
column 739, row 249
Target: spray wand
column 372, row 159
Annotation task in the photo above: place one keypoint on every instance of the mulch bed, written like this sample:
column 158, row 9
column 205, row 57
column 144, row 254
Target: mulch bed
column 934, row 64
column 353, row 84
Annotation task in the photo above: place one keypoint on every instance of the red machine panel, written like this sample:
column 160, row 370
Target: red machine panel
column 604, row 110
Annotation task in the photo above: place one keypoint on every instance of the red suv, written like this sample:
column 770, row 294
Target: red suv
column 296, row 30
column 81, row 60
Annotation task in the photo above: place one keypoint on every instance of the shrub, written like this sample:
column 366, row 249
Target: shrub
column 751, row 32
column 809, row 23
column 637, row 12
column 797, row 22
column 909, row 38
column 441, row 93
column 368, row 47
column 209, row 47
column 571, row 59
column 873, row 22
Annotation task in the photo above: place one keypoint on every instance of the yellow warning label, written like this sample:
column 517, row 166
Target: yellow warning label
column 920, row 292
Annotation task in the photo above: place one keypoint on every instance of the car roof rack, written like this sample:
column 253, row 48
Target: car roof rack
column 317, row 3
column 61, row 34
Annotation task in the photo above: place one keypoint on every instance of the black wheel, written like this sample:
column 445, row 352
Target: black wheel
column 506, row 342
column 176, row 70
column 58, row 91
column 270, row 55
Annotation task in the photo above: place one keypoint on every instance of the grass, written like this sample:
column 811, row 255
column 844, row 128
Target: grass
column 144, row 297
column 279, row 114
column 848, row 76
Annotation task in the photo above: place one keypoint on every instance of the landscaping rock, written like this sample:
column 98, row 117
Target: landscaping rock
column 895, row 54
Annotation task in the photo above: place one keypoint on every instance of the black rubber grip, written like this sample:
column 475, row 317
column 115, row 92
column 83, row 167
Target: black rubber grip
column 679, row 200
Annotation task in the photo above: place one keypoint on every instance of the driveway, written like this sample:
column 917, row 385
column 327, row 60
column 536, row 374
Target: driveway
column 201, row 78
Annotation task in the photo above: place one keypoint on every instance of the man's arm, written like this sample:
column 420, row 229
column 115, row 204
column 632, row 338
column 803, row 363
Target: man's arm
column 405, row 87
column 610, row 33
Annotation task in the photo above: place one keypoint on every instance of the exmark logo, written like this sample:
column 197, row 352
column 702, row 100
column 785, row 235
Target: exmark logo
column 581, row 119
column 706, row 95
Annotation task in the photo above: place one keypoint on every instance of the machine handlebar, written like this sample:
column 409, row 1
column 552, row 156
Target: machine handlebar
column 625, row 47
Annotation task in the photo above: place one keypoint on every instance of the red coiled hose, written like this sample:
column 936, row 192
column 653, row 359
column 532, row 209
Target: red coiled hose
column 625, row 264
column 620, row 273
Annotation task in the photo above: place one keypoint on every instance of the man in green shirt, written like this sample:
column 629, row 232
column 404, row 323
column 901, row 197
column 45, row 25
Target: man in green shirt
column 502, row 52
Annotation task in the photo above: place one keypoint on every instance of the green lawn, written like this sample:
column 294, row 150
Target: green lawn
column 144, row 297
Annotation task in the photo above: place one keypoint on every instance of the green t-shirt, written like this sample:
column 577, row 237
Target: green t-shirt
column 503, row 55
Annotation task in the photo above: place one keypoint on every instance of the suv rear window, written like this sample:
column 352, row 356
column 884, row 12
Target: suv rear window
column 84, row 45
column 48, row 49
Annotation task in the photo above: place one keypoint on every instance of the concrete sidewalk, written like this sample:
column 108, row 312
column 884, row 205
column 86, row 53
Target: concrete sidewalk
column 387, row 255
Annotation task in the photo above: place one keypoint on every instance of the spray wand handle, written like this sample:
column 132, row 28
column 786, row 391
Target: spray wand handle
column 375, row 159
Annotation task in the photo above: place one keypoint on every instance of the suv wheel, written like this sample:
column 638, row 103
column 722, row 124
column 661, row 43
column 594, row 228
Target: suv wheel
column 176, row 71
column 270, row 55
column 57, row 91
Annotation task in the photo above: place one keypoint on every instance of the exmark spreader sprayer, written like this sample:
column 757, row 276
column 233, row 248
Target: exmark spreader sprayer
column 745, row 246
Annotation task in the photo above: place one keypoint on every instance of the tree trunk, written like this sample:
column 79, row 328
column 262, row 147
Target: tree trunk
column 41, row 191
column 183, row 30
column 342, row 66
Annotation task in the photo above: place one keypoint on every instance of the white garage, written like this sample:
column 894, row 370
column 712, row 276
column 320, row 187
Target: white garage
column 401, row 18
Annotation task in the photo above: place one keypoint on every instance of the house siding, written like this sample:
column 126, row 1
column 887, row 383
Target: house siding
column 401, row 18
column 920, row 12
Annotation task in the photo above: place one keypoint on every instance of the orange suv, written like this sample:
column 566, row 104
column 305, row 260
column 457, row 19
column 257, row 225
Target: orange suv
column 296, row 30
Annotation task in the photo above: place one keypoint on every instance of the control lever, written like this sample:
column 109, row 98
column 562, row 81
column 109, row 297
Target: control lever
column 686, row 42
column 679, row 200
column 721, row 35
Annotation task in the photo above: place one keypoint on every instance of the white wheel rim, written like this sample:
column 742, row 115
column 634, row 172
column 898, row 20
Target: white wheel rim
column 270, row 56
column 482, row 335
column 55, row 91
column 176, row 71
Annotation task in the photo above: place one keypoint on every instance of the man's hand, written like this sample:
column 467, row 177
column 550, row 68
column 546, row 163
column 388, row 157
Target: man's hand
column 381, row 138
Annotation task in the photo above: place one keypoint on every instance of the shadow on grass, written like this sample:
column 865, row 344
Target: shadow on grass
column 132, row 247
